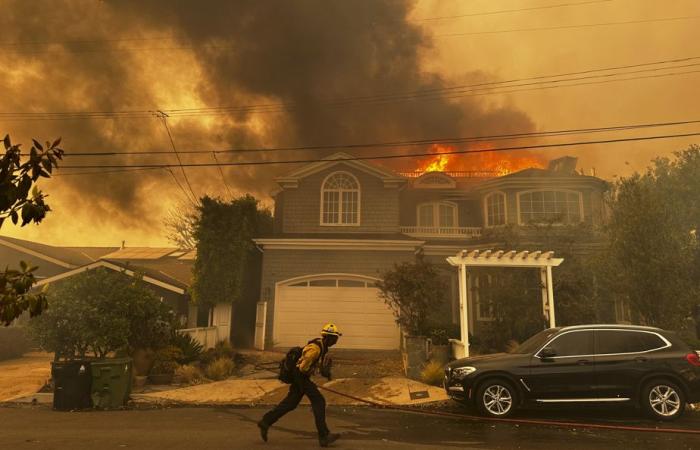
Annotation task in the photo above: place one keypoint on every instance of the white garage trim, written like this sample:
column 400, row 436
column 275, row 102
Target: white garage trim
column 370, row 324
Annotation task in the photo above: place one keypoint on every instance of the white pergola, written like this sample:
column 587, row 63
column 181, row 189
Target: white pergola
column 487, row 258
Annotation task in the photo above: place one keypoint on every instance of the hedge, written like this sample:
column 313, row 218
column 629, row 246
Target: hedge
column 14, row 342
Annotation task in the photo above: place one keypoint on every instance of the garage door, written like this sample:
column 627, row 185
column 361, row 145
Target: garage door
column 304, row 306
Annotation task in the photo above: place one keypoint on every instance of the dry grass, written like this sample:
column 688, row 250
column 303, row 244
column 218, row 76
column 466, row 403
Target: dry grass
column 433, row 373
column 190, row 374
column 220, row 369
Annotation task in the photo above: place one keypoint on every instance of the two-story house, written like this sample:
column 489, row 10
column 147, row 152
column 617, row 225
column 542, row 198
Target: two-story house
column 340, row 224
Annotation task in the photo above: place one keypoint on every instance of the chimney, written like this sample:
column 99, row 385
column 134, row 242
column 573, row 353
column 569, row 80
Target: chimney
column 564, row 165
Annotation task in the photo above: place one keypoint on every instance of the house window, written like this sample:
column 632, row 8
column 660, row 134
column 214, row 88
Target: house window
column 483, row 298
column 340, row 200
column 442, row 215
column 495, row 205
column 560, row 207
column 623, row 313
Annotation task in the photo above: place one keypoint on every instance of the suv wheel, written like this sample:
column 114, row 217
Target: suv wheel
column 663, row 400
column 496, row 398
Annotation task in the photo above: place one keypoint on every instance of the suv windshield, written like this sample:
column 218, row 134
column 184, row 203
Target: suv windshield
column 535, row 342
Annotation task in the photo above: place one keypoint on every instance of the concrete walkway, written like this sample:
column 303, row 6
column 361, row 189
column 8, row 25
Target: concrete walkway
column 387, row 390
column 24, row 376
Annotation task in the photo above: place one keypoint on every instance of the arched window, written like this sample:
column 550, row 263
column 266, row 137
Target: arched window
column 559, row 207
column 438, row 214
column 340, row 200
column 495, row 209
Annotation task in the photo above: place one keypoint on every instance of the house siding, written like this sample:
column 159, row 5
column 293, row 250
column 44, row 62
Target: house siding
column 281, row 265
column 379, row 205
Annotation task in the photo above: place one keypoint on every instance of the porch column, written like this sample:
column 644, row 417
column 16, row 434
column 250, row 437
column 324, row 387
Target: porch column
column 464, row 307
column 547, row 295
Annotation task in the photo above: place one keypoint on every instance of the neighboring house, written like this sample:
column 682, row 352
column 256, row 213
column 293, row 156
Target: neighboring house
column 167, row 271
column 340, row 224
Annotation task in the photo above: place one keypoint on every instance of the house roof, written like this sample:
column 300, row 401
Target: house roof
column 62, row 256
column 386, row 175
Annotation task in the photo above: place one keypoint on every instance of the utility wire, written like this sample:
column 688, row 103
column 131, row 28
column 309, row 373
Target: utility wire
column 407, row 155
column 414, row 95
column 164, row 117
column 505, row 11
column 568, row 27
column 405, row 143
column 221, row 172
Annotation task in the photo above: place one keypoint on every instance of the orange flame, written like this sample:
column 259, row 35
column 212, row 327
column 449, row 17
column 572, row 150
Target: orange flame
column 499, row 163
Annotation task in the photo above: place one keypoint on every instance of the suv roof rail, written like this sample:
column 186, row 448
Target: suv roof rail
column 611, row 325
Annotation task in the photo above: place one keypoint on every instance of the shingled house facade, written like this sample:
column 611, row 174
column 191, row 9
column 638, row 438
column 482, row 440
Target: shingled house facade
column 339, row 224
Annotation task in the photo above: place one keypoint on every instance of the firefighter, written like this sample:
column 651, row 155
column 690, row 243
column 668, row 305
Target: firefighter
column 313, row 358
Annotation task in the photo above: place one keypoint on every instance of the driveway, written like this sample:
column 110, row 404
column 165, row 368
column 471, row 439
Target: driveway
column 24, row 376
column 362, row 428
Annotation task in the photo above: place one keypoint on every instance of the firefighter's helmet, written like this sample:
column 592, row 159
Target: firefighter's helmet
column 330, row 330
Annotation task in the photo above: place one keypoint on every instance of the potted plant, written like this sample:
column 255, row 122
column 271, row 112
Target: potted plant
column 411, row 289
column 164, row 365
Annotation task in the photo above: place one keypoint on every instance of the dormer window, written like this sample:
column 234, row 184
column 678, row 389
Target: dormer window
column 340, row 200
column 437, row 215
column 495, row 209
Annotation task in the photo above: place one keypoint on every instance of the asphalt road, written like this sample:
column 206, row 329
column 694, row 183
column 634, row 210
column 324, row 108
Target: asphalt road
column 362, row 428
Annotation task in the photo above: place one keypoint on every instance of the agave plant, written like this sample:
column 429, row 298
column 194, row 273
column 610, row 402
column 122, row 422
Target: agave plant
column 190, row 348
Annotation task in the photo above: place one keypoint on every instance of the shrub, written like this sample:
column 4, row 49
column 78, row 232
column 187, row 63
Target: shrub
column 190, row 374
column 433, row 373
column 14, row 343
column 101, row 311
column 165, row 360
column 189, row 347
column 220, row 369
column 222, row 349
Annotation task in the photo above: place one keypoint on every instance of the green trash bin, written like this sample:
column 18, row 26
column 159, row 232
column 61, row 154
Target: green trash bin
column 111, row 382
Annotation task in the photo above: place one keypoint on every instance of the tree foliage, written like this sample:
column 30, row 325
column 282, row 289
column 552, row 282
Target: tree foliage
column 180, row 224
column 101, row 311
column 412, row 290
column 21, row 199
column 654, row 253
column 224, row 232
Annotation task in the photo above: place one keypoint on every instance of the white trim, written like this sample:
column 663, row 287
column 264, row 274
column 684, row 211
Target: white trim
column 583, row 400
column 340, row 200
column 580, row 205
column 321, row 276
column 486, row 209
column 22, row 249
column 338, row 244
column 114, row 267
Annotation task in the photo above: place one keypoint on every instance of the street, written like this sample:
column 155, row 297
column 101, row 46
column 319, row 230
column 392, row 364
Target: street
column 362, row 428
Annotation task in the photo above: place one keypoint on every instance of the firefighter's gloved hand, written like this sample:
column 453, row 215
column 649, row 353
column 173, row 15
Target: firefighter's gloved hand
column 326, row 367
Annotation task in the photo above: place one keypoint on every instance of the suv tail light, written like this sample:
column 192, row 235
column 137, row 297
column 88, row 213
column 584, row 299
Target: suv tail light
column 693, row 358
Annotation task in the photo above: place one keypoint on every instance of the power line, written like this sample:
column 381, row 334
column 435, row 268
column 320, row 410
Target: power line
column 405, row 143
column 567, row 27
column 221, row 172
column 407, row 155
column 436, row 93
column 164, row 118
column 505, row 11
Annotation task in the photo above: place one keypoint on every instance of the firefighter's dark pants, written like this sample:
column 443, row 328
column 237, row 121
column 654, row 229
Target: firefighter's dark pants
column 302, row 386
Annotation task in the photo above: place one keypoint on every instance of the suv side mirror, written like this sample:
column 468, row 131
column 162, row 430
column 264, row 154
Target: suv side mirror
column 547, row 352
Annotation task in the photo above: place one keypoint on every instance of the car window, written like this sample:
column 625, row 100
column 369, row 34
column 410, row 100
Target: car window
column 575, row 343
column 623, row 341
column 535, row 342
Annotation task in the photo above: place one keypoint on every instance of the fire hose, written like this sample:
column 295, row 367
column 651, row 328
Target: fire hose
column 473, row 418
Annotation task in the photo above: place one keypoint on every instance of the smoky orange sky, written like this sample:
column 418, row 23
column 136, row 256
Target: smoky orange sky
column 130, row 55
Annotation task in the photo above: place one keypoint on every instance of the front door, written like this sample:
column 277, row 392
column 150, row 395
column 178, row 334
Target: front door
column 566, row 374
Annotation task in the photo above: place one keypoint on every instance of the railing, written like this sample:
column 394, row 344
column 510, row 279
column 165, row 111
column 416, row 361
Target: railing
column 207, row 336
column 458, row 232
column 457, row 174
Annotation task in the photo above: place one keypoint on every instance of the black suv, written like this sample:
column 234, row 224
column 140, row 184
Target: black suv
column 583, row 364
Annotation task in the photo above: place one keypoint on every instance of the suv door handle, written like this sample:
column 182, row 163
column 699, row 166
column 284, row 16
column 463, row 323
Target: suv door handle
column 583, row 362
